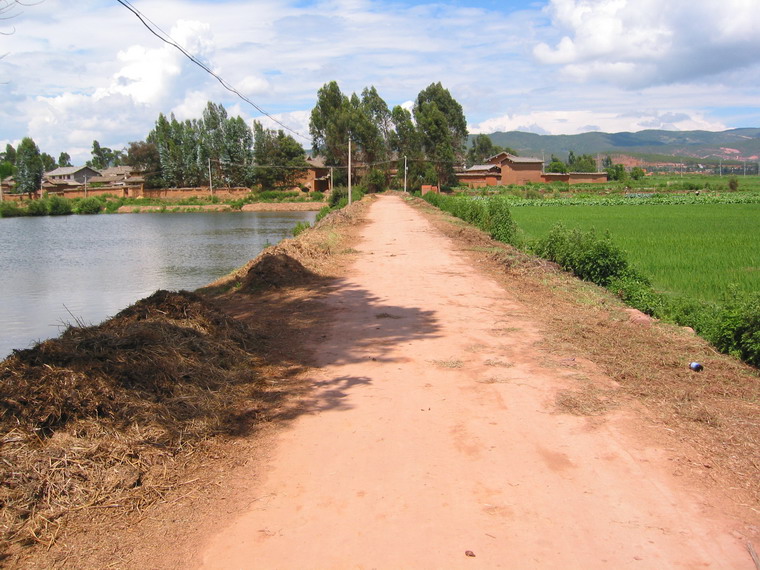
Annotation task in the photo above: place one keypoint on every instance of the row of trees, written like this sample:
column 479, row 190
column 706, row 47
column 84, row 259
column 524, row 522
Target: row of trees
column 587, row 163
column 431, row 138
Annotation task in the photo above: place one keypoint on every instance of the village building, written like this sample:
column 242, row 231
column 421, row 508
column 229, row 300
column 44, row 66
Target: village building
column 504, row 169
column 71, row 174
column 317, row 177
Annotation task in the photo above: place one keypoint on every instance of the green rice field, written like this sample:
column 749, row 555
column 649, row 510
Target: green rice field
column 696, row 250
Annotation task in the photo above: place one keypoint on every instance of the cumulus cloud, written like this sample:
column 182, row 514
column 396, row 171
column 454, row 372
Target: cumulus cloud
column 636, row 43
column 66, row 89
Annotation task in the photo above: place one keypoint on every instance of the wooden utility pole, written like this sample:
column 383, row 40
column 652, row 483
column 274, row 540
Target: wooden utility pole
column 349, row 171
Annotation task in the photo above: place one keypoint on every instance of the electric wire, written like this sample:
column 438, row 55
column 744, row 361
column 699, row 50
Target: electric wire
column 166, row 38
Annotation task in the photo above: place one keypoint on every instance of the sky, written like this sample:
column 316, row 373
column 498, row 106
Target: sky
column 74, row 72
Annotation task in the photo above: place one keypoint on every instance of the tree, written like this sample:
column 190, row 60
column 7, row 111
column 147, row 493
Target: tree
column 143, row 156
column 280, row 160
column 406, row 142
column 377, row 124
column 10, row 154
column 556, row 166
column 103, row 157
column 29, row 167
column 329, row 124
column 64, row 159
column 237, row 155
column 443, row 127
column 582, row 163
column 617, row 172
column 637, row 173
column 48, row 162
column 482, row 149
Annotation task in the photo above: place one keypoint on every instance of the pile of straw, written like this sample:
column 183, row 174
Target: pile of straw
column 93, row 418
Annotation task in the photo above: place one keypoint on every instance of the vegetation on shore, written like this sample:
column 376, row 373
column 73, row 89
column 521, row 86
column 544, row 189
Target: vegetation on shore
column 57, row 206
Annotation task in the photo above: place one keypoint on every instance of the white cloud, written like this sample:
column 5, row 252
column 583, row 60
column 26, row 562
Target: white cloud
column 110, row 78
column 635, row 43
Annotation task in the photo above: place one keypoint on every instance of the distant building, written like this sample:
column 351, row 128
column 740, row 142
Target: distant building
column 504, row 169
column 77, row 174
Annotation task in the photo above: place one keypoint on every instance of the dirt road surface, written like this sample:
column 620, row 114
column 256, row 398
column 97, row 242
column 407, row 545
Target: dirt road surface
column 432, row 440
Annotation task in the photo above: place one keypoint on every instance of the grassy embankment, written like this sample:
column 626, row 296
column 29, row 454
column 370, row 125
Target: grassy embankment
column 57, row 206
column 689, row 259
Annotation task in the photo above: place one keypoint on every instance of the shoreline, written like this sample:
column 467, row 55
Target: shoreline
column 255, row 207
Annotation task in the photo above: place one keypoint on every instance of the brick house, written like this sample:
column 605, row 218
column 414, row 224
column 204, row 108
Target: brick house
column 503, row 169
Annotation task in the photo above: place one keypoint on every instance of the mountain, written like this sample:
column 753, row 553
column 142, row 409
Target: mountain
column 734, row 144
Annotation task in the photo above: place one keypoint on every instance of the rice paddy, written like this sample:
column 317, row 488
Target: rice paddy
column 697, row 250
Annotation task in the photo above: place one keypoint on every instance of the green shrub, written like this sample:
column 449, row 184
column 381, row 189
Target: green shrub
column 323, row 212
column 37, row 207
column 636, row 291
column 502, row 226
column 300, row 228
column 58, row 206
column 112, row 206
column 737, row 330
column 733, row 184
column 88, row 206
column 317, row 196
column 339, row 196
column 11, row 210
column 588, row 256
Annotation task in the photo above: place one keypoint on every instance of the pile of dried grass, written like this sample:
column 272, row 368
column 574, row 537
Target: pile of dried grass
column 93, row 418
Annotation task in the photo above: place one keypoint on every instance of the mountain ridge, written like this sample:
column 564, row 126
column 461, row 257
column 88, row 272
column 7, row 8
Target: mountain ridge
column 742, row 144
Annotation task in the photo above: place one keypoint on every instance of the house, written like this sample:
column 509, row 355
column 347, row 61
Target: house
column 317, row 177
column 503, row 169
column 78, row 174
column 481, row 175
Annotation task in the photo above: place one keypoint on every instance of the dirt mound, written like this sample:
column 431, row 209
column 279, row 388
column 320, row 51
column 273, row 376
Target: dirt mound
column 92, row 417
column 276, row 269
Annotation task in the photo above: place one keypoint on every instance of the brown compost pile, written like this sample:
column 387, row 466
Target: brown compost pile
column 94, row 418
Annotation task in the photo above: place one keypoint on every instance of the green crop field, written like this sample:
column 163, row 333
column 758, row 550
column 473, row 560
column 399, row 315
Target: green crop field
column 696, row 250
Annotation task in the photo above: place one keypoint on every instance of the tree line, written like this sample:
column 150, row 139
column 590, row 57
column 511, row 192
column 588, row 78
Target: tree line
column 429, row 140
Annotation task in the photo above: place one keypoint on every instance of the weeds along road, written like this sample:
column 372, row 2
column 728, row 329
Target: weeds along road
column 432, row 440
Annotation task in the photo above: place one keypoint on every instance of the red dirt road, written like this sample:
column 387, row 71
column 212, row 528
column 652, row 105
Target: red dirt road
column 432, row 440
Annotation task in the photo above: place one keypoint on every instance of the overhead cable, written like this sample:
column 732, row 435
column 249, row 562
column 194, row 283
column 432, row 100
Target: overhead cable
column 166, row 38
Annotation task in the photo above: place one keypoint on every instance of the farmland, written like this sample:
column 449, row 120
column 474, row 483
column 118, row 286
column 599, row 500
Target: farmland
column 695, row 250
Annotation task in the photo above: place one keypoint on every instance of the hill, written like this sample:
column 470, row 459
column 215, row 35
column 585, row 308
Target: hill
column 734, row 144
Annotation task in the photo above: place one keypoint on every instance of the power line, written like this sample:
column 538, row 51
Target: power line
column 167, row 39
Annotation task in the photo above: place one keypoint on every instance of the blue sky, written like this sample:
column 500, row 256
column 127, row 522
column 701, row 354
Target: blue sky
column 78, row 71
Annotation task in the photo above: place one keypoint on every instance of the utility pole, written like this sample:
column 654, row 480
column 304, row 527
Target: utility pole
column 210, row 183
column 406, row 168
column 349, row 170
column 85, row 186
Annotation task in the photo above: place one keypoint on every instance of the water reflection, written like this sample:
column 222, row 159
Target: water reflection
column 59, row 270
